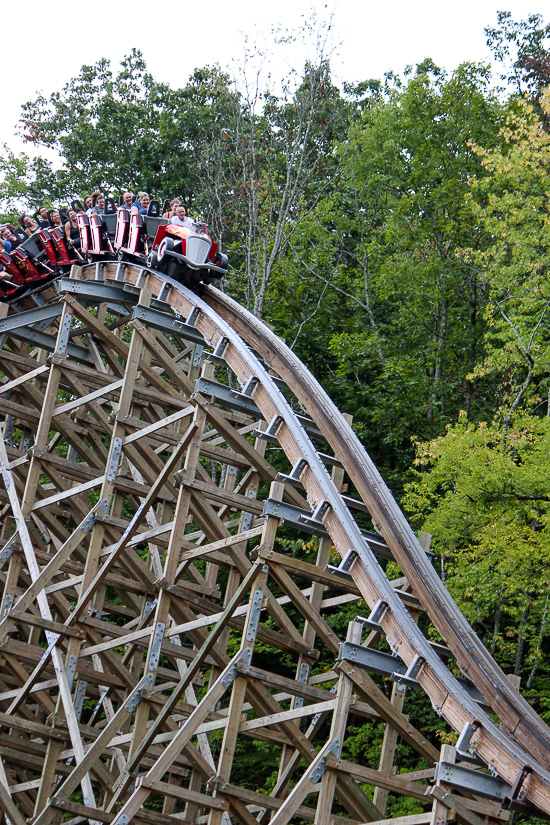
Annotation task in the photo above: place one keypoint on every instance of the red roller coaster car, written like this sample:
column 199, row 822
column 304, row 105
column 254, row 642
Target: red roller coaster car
column 187, row 255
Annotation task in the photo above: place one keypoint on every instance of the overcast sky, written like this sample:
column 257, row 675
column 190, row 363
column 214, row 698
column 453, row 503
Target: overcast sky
column 44, row 46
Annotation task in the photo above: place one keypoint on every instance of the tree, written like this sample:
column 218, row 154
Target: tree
column 511, row 206
column 287, row 165
column 252, row 162
column 483, row 489
column 104, row 126
column 412, row 324
column 523, row 50
column 487, row 509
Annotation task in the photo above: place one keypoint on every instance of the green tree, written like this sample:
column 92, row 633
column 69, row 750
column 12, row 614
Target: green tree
column 405, row 312
column 118, row 130
column 522, row 49
column 483, row 490
column 104, row 125
column 287, row 166
column 487, row 509
column 511, row 206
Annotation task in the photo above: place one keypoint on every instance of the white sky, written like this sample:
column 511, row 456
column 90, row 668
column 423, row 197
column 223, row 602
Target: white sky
column 46, row 45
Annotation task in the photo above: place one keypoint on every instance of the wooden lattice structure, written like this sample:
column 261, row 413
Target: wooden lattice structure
column 159, row 451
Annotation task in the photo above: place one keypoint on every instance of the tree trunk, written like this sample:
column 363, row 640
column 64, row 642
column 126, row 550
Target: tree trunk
column 539, row 645
column 496, row 627
column 521, row 642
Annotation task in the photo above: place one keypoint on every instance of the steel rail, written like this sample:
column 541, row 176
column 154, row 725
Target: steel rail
column 224, row 324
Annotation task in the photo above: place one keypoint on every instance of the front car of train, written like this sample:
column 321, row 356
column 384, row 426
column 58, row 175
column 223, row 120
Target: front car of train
column 184, row 253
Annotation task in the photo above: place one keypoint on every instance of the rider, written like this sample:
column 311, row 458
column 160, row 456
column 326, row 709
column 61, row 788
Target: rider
column 180, row 218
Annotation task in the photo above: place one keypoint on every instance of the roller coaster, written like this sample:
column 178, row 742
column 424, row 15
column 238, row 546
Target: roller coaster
column 161, row 448
column 186, row 253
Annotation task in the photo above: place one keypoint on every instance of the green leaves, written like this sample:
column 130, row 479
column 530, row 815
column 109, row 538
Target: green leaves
column 487, row 506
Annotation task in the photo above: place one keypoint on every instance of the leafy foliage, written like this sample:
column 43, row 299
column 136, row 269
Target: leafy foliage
column 522, row 49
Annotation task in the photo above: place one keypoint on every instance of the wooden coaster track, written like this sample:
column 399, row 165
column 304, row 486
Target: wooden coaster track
column 146, row 589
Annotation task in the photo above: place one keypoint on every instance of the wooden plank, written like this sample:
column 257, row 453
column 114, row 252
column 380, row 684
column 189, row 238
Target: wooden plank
column 45, row 624
column 45, row 685
column 9, row 807
column 272, row 803
column 222, row 544
column 213, row 493
column 132, row 527
column 445, row 799
column 103, row 392
column 285, row 715
column 27, row 376
column 440, row 811
column 187, row 795
column 372, row 693
column 164, row 422
column 370, row 776
column 411, row 819
column 70, row 492
column 183, row 736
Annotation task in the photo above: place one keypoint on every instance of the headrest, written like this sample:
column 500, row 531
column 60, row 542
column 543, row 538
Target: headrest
column 110, row 206
column 155, row 209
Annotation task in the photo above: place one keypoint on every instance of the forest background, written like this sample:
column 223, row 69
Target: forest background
column 396, row 233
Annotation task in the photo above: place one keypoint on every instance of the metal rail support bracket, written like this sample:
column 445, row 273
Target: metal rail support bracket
column 491, row 787
column 70, row 670
column 193, row 317
column 8, row 603
column 13, row 545
column 142, row 279
column 165, row 291
column 229, row 677
column 229, row 398
column 262, row 434
column 28, row 317
column 63, row 337
column 94, row 291
column 115, row 458
column 156, row 645
column 79, row 699
column 88, row 523
column 291, row 515
column 303, row 675
column 166, row 322
column 516, row 799
column 373, row 621
column 317, row 773
column 216, row 357
column 250, row 386
column 274, row 426
column 255, row 613
column 463, row 743
column 135, row 698
column 48, row 342
column 197, row 356
column 119, row 274
column 294, row 476
column 318, row 515
column 409, row 678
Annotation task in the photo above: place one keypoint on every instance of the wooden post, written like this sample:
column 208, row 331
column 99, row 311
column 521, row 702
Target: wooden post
column 440, row 811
